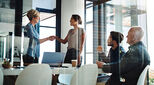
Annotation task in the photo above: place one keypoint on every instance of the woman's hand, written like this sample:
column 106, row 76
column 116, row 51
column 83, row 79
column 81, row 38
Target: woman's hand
column 79, row 61
column 52, row 38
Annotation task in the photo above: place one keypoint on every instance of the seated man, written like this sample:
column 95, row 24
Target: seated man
column 115, row 53
column 135, row 59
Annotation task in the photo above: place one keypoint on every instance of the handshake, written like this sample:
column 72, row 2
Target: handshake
column 52, row 38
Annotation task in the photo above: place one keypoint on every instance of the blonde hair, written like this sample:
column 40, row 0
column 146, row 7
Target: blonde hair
column 32, row 13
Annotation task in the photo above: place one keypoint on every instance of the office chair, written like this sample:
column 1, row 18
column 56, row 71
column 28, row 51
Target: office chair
column 35, row 74
column 142, row 76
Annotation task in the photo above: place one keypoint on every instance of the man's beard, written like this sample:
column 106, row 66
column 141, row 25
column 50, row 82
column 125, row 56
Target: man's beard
column 111, row 44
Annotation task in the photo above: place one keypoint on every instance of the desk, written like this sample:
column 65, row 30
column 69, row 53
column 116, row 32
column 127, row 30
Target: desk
column 12, row 73
column 56, row 70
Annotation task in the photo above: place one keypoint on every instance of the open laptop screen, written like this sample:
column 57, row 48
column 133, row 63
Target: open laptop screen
column 54, row 59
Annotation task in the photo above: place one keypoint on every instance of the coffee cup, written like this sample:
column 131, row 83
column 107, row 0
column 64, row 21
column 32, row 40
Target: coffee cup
column 74, row 63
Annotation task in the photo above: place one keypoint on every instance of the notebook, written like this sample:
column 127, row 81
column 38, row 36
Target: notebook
column 54, row 59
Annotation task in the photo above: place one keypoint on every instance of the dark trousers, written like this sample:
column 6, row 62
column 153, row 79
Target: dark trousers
column 72, row 54
column 29, row 59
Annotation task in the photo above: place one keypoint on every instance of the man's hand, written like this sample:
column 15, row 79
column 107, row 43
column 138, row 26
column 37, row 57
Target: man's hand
column 99, row 64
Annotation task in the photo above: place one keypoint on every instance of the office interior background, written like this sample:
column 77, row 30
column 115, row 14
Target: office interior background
column 99, row 18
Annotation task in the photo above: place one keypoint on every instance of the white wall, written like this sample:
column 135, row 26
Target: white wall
column 68, row 8
column 150, row 29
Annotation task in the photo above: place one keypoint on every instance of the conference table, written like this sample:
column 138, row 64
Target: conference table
column 55, row 70
column 12, row 73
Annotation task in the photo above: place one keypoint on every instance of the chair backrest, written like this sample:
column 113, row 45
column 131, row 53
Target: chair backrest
column 1, row 77
column 53, row 57
column 142, row 76
column 85, row 75
column 35, row 74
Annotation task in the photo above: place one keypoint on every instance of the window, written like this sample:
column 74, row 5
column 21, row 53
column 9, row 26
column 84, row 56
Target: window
column 102, row 18
column 116, row 15
column 89, row 32
column 47, row 28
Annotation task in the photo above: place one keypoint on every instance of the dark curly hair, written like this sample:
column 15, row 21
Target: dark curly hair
column 117, row 36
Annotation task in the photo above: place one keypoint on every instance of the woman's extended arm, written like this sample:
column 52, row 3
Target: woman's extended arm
column 64, row 41
column 44, row 39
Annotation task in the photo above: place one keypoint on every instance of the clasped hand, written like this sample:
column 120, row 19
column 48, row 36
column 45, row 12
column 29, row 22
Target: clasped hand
column 99, row 64
column 52, row 38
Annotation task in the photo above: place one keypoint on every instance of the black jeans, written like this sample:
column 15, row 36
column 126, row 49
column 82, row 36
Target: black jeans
column 71, row 54
column 30, row 59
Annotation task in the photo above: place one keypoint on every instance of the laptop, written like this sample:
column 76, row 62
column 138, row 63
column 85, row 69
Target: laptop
column 54, row 59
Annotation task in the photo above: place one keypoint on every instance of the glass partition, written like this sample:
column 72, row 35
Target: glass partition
column 113, row 15
column 3, row 44
column 6, row 46
column 121, row 15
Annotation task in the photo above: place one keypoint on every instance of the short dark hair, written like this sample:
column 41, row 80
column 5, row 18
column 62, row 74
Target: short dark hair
column 77, row 18
column 117, row 36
